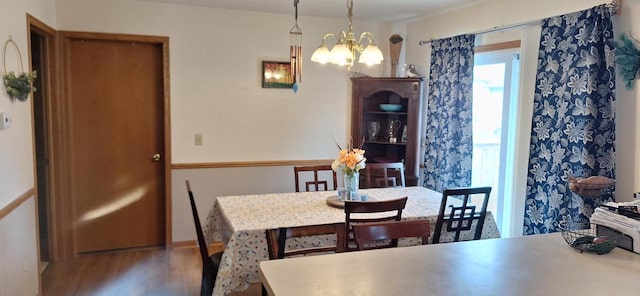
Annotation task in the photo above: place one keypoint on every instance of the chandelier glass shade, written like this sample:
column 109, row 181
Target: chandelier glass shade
column 347, row 47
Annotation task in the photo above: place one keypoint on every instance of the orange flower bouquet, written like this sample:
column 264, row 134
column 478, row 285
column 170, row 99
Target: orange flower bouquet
column 350, row 161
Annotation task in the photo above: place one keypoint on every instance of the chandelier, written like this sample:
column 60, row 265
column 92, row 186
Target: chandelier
column 346, row 47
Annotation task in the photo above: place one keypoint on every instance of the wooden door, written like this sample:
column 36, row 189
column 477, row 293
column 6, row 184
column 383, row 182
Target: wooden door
column 115, row 91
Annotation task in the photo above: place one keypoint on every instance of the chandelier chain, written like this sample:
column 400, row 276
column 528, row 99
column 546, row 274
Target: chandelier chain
column 350, row 13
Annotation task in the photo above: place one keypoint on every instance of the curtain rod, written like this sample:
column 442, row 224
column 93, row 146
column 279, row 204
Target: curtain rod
column 494, row 29
column 615, row 7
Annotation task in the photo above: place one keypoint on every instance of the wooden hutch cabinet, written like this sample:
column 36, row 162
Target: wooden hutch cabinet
column 398, row 132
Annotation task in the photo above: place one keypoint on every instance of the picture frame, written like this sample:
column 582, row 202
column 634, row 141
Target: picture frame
column 276, row 74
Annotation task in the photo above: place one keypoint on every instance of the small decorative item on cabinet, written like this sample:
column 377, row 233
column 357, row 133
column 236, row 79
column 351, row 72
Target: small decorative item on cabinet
column 374, row 129
column 404, row 134
column 390, row 107
column 392, row 131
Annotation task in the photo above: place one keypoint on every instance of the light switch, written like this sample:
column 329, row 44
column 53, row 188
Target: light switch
column 198, row 139
column 5, row 120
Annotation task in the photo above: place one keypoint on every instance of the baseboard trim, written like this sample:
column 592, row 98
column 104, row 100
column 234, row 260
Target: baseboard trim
column 184, row 244
column 213, row 247
column 16, row 203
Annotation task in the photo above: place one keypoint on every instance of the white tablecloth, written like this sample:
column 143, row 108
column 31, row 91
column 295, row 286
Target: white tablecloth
column 240, row 223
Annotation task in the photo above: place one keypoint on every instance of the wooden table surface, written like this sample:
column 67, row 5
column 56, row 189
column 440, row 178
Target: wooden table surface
column 533, row 265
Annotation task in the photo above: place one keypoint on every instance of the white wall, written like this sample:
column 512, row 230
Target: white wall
column 18, row 251
column 627, row 120
column 215, row 64
column 208, row 183
column 216, row 78
column 18, row 239
column 500, row 13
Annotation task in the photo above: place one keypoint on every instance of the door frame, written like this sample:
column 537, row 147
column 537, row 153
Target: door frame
column 55, row 146
column 63, row 238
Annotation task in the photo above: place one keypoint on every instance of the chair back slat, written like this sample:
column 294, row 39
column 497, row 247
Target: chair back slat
column 316, row 184
column 394, row 208
column 461, row 216
column 382, row 175
column 372, row 232
column 277, row 239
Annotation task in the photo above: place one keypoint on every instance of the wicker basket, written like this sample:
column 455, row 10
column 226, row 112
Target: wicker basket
column 583, row 237
column 593, row 190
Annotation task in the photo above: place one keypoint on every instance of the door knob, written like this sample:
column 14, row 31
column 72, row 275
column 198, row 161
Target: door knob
column 156, row 157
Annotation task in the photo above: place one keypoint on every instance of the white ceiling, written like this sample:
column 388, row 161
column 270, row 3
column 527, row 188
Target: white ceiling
column 378, row 10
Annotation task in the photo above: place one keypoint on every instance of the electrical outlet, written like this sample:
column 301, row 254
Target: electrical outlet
column 198, row 139
column 5, row 120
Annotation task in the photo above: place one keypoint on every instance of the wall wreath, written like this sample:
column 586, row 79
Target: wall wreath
column 18, row 86
column 628, row 59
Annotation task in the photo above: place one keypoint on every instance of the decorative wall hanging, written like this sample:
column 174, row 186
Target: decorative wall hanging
column 18, row 86
column 628, row 59
column 295, row 51
column 395, row 46
column 276, row 74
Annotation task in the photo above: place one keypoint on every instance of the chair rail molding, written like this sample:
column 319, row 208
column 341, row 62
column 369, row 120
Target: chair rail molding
column 240, row 164
column 16, row 203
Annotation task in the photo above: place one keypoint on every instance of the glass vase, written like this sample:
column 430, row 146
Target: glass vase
column 351, row 184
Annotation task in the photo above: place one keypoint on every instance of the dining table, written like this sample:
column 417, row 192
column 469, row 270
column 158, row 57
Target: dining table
column 240, row 221
column 533, row 265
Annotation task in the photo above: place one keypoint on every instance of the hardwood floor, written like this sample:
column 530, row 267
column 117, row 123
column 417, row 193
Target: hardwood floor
column 148, row 272
column 134, row 272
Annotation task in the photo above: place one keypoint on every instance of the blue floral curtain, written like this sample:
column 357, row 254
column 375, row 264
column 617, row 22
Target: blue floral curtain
column 573, row 130
column 449, row 145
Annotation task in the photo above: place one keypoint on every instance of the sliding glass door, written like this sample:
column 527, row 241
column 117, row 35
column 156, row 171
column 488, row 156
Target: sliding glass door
column 495, row 88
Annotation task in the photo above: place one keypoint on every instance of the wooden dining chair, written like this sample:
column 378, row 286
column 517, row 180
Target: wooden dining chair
column 367, row 234
column 210, row 263
column 461, row 217
column 317, row 181
column 360, row 212
column 277, row 240
column 382, row 175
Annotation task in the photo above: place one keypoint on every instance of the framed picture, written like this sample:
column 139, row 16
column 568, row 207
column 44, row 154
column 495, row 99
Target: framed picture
column 276, row 74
